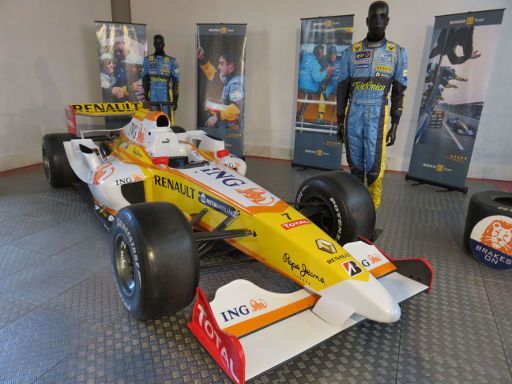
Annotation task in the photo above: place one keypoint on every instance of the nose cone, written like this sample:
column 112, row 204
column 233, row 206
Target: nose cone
column 371, row 300
column 388, row 313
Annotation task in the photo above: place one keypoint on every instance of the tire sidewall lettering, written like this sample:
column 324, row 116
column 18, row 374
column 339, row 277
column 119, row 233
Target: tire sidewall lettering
column 128, row 236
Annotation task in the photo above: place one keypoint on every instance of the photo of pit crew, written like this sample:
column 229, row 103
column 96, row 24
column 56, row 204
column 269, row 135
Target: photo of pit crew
column 220, row 54
column 455, row 84
column 319, row 69
column 121, row 49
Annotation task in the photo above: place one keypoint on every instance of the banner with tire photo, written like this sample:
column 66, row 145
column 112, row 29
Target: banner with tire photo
column 322, row 41
column 457, row 75
column 221, row 82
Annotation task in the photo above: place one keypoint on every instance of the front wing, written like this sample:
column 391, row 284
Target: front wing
column 249, row 330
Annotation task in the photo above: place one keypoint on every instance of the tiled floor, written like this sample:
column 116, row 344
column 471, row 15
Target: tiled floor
column 62, row 322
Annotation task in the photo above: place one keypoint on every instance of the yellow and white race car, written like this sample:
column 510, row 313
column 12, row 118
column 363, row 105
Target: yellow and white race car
column 168, row 196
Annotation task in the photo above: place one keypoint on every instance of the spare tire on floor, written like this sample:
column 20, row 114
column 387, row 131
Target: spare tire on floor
column 341, row 203
column 484, row 204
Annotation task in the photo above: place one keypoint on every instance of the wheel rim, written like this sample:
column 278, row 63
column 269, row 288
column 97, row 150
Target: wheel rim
column 323, row 218
column 46, row 164
column 124, row 266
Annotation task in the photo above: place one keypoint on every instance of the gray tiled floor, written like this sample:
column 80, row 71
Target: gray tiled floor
column 62, row 322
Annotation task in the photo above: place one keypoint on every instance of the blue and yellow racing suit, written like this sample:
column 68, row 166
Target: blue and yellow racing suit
column 367, row 74
column 161, row 78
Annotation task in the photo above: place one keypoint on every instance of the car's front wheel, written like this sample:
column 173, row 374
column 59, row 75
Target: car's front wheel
column 341, row 205
column 154, row 259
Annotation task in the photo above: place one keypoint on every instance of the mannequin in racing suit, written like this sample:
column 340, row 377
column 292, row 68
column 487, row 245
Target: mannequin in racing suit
column 369, row 69
column 161, row 77
column 227, row 112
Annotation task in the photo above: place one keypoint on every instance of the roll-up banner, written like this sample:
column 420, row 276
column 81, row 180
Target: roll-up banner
column 221, row 82
column 321, row 43
column 121, row 50
column 459, row 66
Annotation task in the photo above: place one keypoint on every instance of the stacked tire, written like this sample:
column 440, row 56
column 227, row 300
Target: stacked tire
column 488, row 231
column 485, row 204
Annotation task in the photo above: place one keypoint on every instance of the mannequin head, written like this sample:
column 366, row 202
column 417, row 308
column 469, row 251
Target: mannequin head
column 377, row 20
column 159, row 44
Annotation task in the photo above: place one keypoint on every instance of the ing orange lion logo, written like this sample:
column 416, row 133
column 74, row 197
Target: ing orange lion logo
column 103, row 172
column 498, row 235
column 257, row 196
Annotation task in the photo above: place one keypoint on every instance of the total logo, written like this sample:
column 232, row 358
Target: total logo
column 243, row 310
column 219, row 342
column 295, row 224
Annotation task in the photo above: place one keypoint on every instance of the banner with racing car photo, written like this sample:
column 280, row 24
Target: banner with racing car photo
column 221, row 82
column 457, row 74
column 322, row 41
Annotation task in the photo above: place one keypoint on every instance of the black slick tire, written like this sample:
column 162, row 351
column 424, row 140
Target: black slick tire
column 55, row 162
column 154, row 259
column 346, row 207
column 484, row 204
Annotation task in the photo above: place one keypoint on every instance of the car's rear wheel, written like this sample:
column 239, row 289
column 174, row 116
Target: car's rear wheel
column 154, row 259
column 55, row 162
column 342, row 205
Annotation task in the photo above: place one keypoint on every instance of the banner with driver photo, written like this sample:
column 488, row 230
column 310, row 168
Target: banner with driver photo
column 221, row 82
column 322, row 41
column 457, row 75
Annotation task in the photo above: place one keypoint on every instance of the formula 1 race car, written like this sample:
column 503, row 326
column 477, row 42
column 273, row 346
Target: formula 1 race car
column 460, row 128
column 168, row 196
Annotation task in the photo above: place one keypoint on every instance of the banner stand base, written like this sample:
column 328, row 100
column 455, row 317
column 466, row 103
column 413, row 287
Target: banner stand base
column 449, row 188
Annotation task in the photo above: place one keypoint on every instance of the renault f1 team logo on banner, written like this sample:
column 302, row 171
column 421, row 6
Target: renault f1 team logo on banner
column 491, row 242
column 323, row 40
column 459, row 66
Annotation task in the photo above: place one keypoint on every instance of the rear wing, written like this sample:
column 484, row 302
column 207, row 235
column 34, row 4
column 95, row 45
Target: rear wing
column 98, row 110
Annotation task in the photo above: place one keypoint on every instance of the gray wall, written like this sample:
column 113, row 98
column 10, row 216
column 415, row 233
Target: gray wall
column 272, row 49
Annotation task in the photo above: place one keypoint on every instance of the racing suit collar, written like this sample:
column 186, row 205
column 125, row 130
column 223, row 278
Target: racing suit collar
column 374, row 44
column 226, row 79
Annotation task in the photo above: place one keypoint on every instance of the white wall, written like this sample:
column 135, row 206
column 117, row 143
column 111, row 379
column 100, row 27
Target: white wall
column 47, row 60
column 272, row 49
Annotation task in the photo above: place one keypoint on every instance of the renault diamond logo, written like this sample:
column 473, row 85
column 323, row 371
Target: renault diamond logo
column 325, row 246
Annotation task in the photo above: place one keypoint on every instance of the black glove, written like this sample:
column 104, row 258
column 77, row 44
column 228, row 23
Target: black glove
column 391, row 136
column 175, row 105
column 341, row 133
